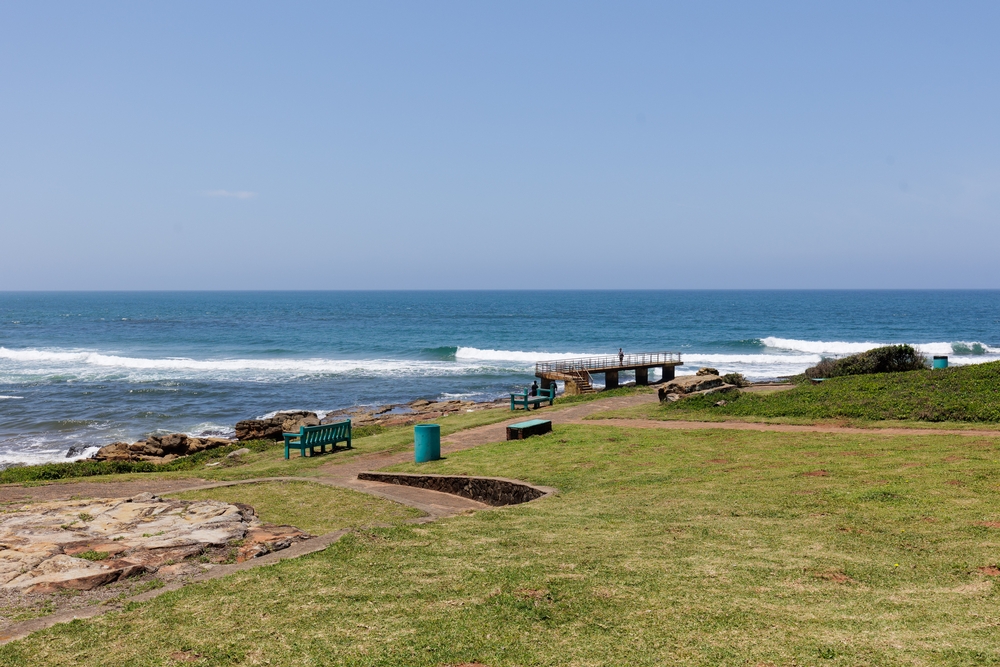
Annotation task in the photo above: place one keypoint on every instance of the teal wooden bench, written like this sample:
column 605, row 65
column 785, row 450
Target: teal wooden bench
column 526, row 401
column 320, row 436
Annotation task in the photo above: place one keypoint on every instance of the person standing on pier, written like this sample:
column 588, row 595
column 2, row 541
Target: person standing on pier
column 621, row 357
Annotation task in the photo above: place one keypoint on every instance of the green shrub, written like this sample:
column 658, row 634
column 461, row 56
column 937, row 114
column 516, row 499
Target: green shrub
column 93, row 555
column 736, row 379
column 888, row 359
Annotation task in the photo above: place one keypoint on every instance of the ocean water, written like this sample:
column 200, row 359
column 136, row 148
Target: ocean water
column 86, row 369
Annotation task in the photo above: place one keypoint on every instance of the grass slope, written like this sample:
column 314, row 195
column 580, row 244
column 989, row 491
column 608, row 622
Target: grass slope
column 315, row 508
column 959, row 394
column 663, row 547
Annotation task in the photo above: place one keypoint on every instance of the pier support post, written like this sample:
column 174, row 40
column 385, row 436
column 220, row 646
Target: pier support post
column 668, row 373
column 610, row 379
column 547, row 383
column 642, row 376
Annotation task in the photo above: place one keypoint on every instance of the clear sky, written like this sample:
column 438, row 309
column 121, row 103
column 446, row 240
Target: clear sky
column 214, row 145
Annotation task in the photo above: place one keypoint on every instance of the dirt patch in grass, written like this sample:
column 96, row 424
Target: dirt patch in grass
column 989, row 570
column 989, row 524
column 836, row 576
column 719, row 461
column 816, row 473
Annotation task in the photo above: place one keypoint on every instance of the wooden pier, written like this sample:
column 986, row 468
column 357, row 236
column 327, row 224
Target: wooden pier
column 576, row 373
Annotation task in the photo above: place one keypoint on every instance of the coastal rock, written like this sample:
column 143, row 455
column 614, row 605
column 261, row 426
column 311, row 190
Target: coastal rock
column 690, row 385
column 75, row 450
column 158, row 449
column 707, row 370
column 122, row 537
column 272, row 427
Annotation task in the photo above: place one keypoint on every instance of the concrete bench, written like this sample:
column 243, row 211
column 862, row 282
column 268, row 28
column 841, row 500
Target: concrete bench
column 523, row 430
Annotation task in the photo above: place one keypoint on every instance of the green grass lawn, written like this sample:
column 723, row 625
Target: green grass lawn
column 662, row 547
column 315, row 508
column 966, row 395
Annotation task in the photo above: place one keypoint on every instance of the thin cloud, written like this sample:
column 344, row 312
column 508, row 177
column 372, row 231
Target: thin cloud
column 235, row 194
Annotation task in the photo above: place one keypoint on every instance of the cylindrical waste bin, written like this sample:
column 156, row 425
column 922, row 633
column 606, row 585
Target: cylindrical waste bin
column 940, row 362
column 426, row 442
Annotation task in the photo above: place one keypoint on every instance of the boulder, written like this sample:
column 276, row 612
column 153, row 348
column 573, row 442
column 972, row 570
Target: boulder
column 688, row 385
column 116, row 451
column 707, row 370
column 158, row 448
column 272, row 427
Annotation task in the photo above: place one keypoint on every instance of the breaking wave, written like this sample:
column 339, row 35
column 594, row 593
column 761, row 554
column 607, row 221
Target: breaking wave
column 841, row 348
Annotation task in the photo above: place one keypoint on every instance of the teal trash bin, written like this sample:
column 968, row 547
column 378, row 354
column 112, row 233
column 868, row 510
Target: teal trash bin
column 426, row 443
column 940, row 362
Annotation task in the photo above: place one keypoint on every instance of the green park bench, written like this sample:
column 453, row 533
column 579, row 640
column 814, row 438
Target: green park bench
column 526, row 401
column 318, row 436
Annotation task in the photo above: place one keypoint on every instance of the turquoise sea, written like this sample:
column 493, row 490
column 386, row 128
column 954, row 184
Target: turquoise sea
column 85, row 369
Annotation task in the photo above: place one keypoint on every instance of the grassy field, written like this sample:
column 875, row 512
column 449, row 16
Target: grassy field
column 662, row 547
column 315, row 508
column 966, row 395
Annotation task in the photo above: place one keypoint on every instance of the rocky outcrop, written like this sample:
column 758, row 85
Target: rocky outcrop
column 707, row 370
column 158, row 448
column 272, row 427
column 689, row 385
column 420, row 410
column 82, row 544
column 490, row 490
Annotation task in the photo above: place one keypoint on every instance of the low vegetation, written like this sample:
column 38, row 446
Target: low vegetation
column 314, row 508
column 571, row 399
column 888, row 359
column 265, row 458
column 663, row 547
column 967, row 394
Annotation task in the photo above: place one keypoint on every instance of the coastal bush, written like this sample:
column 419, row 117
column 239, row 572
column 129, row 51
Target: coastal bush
column 957, row 394
column 90, row 468
column 736, row 379
column 888, row 359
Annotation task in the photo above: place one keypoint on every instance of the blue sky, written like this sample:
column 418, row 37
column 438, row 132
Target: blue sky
column 487, row 145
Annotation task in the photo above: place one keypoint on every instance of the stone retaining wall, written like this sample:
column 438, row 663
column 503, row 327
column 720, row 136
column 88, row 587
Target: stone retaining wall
column 490, row 490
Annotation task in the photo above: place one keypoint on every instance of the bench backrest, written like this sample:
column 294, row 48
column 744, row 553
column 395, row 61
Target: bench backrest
column 325, row 432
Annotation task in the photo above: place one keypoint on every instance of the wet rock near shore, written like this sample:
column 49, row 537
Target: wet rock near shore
column 158, row 448
column 83, row 544
column 272, row 428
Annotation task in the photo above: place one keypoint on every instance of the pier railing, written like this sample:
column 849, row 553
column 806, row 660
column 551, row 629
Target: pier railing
column 609, row 361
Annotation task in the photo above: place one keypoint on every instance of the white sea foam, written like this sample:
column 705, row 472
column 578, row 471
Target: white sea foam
column 321, row 414
column 43, row 454
column 11, row 398
column 92, row 365
column 961, row 352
